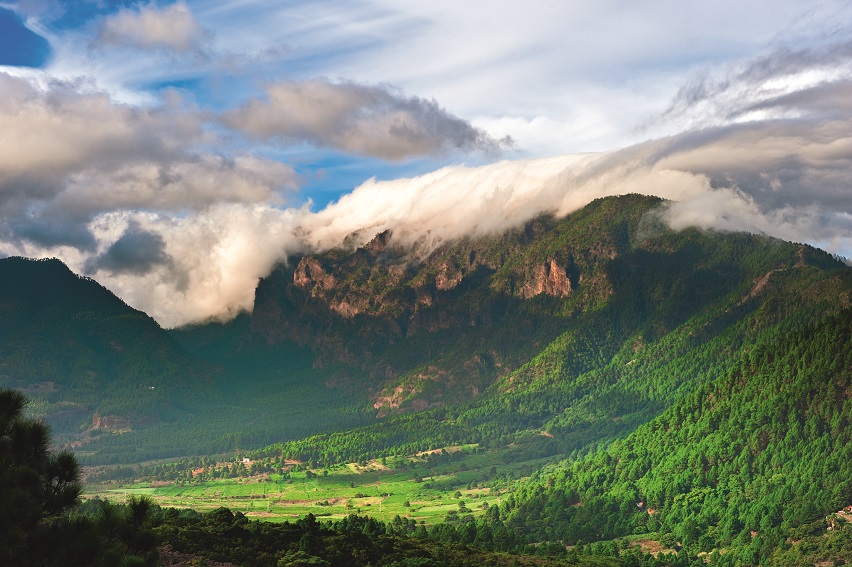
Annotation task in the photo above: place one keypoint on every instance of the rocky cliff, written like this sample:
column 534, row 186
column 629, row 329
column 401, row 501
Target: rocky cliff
column 424, row 330
column 465, row 313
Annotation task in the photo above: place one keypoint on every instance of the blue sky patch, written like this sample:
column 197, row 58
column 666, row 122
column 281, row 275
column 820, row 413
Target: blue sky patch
column 20, row 46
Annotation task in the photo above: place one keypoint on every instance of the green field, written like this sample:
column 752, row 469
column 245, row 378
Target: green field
column 411, row 487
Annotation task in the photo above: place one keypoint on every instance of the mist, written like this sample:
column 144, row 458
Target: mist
column 206, row 266
column 177, row 211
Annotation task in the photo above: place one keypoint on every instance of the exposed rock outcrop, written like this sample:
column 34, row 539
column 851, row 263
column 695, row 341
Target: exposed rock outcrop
column 310, row 274
column 111, row 423
column 548, row 278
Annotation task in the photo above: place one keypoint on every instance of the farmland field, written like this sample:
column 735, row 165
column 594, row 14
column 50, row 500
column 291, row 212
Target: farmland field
column 412, row 487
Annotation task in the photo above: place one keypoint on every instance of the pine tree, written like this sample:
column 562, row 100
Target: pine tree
column 37, row 486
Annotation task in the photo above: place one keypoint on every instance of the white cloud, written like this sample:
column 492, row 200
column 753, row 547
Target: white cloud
column 171, row 28
column 206, row 264
column 200, row 266
column 367, row 120
column 163, row 204
column 67, row 156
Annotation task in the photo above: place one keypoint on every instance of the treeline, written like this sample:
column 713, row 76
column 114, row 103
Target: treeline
column 359, row 541
column 594, row 383
column 738, row 464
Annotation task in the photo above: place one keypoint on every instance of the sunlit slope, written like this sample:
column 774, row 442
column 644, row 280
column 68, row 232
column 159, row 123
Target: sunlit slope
column 647, row 322
column 759, row 449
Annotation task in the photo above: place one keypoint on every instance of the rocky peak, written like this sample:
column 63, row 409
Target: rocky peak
column 310, row 273
column 379, row 243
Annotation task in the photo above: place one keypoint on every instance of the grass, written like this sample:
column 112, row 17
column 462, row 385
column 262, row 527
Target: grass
column 411, row 487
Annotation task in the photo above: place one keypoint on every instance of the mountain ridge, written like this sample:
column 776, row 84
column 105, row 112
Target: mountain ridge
column 521, row 330
column 358, row 307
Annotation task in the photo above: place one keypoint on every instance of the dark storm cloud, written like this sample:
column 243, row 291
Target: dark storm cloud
column 137, row 252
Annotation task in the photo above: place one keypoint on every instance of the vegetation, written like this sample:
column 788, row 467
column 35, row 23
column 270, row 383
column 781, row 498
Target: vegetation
column 44, row 525
column 603, row 389
column 451, row 484
column 740, row 463
column 39, row 522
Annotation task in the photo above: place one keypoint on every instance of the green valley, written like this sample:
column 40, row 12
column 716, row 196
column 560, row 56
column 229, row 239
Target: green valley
column 594, row 386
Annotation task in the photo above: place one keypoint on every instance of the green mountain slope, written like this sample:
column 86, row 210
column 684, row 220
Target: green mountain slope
column 439, row 329
column 652, row 315
column 563, row 334
column 697, row 385
column 743, row 461
column 724, row 359
column 694, row 386
column 88, row 360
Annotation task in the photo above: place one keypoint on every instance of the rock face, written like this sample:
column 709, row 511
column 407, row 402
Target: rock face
column 468, row 298
column 448, row 277
column 111, row 423
column 548, row 278
column 309, row 274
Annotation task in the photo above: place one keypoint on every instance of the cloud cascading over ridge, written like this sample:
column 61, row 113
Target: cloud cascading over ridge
column 179, row 207
column 186, row 236
column 366, row 120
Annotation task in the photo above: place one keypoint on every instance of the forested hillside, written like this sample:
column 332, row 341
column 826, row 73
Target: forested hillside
column 564, row 333
column 676, row 311
column 753, row 456
column 690, row 389
column 89, row 361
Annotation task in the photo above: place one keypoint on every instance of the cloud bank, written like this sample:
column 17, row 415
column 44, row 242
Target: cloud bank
column 365, row 120
column 180, row 210
column 159, row 204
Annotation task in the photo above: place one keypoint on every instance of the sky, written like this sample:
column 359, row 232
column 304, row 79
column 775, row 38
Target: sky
column 176, row 151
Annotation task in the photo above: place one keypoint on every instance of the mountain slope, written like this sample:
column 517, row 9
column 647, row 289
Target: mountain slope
column 564, row 333
column 697, row 385
column 439, row 329
column 85, row 357
column 705, row 398
column 648, row 320
column 753, row 456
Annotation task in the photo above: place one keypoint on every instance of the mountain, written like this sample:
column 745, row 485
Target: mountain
column 444, row 326
column 565, row 332
column 580, row 328
column 91, row 363
column 690, row 386
column 438, row 325
column 756, row 456
column 698, row 383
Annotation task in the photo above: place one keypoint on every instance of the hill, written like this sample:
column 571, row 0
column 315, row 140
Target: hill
column 690, row 389
column 698, row 382
column 91, row 363
column 495, row 349
column 564, row 333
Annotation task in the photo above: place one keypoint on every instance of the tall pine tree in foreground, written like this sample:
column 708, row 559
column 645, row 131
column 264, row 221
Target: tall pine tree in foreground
column 37, row 486
column 41, row 520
